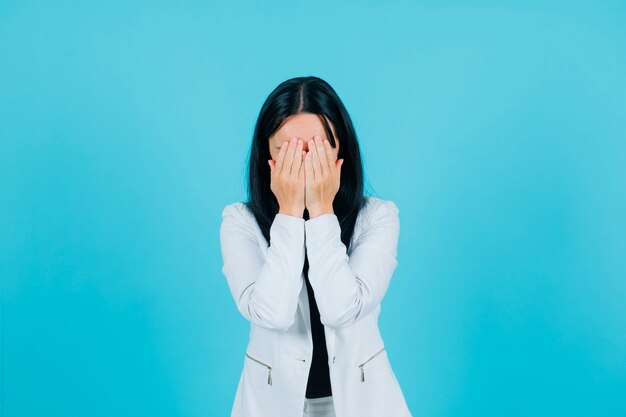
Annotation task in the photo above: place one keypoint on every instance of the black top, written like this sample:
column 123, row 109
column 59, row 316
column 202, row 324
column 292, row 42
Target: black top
column 318, row 384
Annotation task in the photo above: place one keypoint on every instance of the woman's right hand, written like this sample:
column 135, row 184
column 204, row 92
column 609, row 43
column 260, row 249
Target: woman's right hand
column 287, row 178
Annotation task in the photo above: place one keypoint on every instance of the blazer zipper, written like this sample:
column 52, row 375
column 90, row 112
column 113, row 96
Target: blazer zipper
column 269, row 368
column 363, row 364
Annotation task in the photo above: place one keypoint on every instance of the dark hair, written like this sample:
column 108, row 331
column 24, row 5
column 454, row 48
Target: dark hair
column 306, row 95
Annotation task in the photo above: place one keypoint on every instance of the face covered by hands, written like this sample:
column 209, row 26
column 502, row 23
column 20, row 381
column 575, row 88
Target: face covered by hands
column 308, row 174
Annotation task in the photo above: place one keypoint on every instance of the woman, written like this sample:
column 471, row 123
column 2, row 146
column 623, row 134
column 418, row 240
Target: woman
column 308, row 260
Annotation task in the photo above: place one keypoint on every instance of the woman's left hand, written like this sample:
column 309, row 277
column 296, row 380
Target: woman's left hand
column 322, row 177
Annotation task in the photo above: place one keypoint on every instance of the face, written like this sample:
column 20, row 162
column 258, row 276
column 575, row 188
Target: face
column 304, row 126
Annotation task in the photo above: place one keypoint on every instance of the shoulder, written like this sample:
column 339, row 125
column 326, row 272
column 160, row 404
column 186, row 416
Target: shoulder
column 238, row 210
column 377, row 215
column 235, row 206
column 376, row 207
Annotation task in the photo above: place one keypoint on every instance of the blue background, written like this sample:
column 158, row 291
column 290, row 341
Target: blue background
column 499, row 131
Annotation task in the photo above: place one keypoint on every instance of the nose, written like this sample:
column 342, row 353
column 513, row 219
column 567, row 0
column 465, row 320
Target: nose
column 305, row 145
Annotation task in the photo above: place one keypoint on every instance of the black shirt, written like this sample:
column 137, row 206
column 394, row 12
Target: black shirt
column 318, row 384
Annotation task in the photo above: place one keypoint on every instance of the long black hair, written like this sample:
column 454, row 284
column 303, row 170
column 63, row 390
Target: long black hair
column 306, row 95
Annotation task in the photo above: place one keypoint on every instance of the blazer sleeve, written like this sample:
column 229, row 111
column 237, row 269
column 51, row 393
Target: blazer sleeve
column 264, row 288
column 347, row 288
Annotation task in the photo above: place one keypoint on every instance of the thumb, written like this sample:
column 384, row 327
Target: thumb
column 269, row 161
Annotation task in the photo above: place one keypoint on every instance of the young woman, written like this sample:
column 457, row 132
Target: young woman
column 308, row 260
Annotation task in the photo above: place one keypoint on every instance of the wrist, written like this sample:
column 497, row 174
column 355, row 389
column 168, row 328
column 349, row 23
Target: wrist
column 318, row 211
column 290, row 212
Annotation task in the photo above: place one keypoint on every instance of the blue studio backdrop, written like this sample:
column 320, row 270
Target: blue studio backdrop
column 498, row 130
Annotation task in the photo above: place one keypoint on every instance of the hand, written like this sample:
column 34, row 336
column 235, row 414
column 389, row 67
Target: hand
column 323, row 174
column 287, row 178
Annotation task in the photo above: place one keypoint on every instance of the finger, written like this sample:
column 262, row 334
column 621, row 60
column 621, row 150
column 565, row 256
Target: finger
column 302, row 166
column 297, row 159
column 278, row 167
column 308, row 167
column 315, row 160
column 330, row 156
column 289, row 158
column 321, row 155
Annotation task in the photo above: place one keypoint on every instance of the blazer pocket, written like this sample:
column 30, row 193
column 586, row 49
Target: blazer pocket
column 262, row 363
column 368, row 362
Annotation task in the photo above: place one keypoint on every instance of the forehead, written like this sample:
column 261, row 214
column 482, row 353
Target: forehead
column 302, row 125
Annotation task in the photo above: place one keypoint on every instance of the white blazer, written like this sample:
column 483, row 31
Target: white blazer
column 267, row 285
